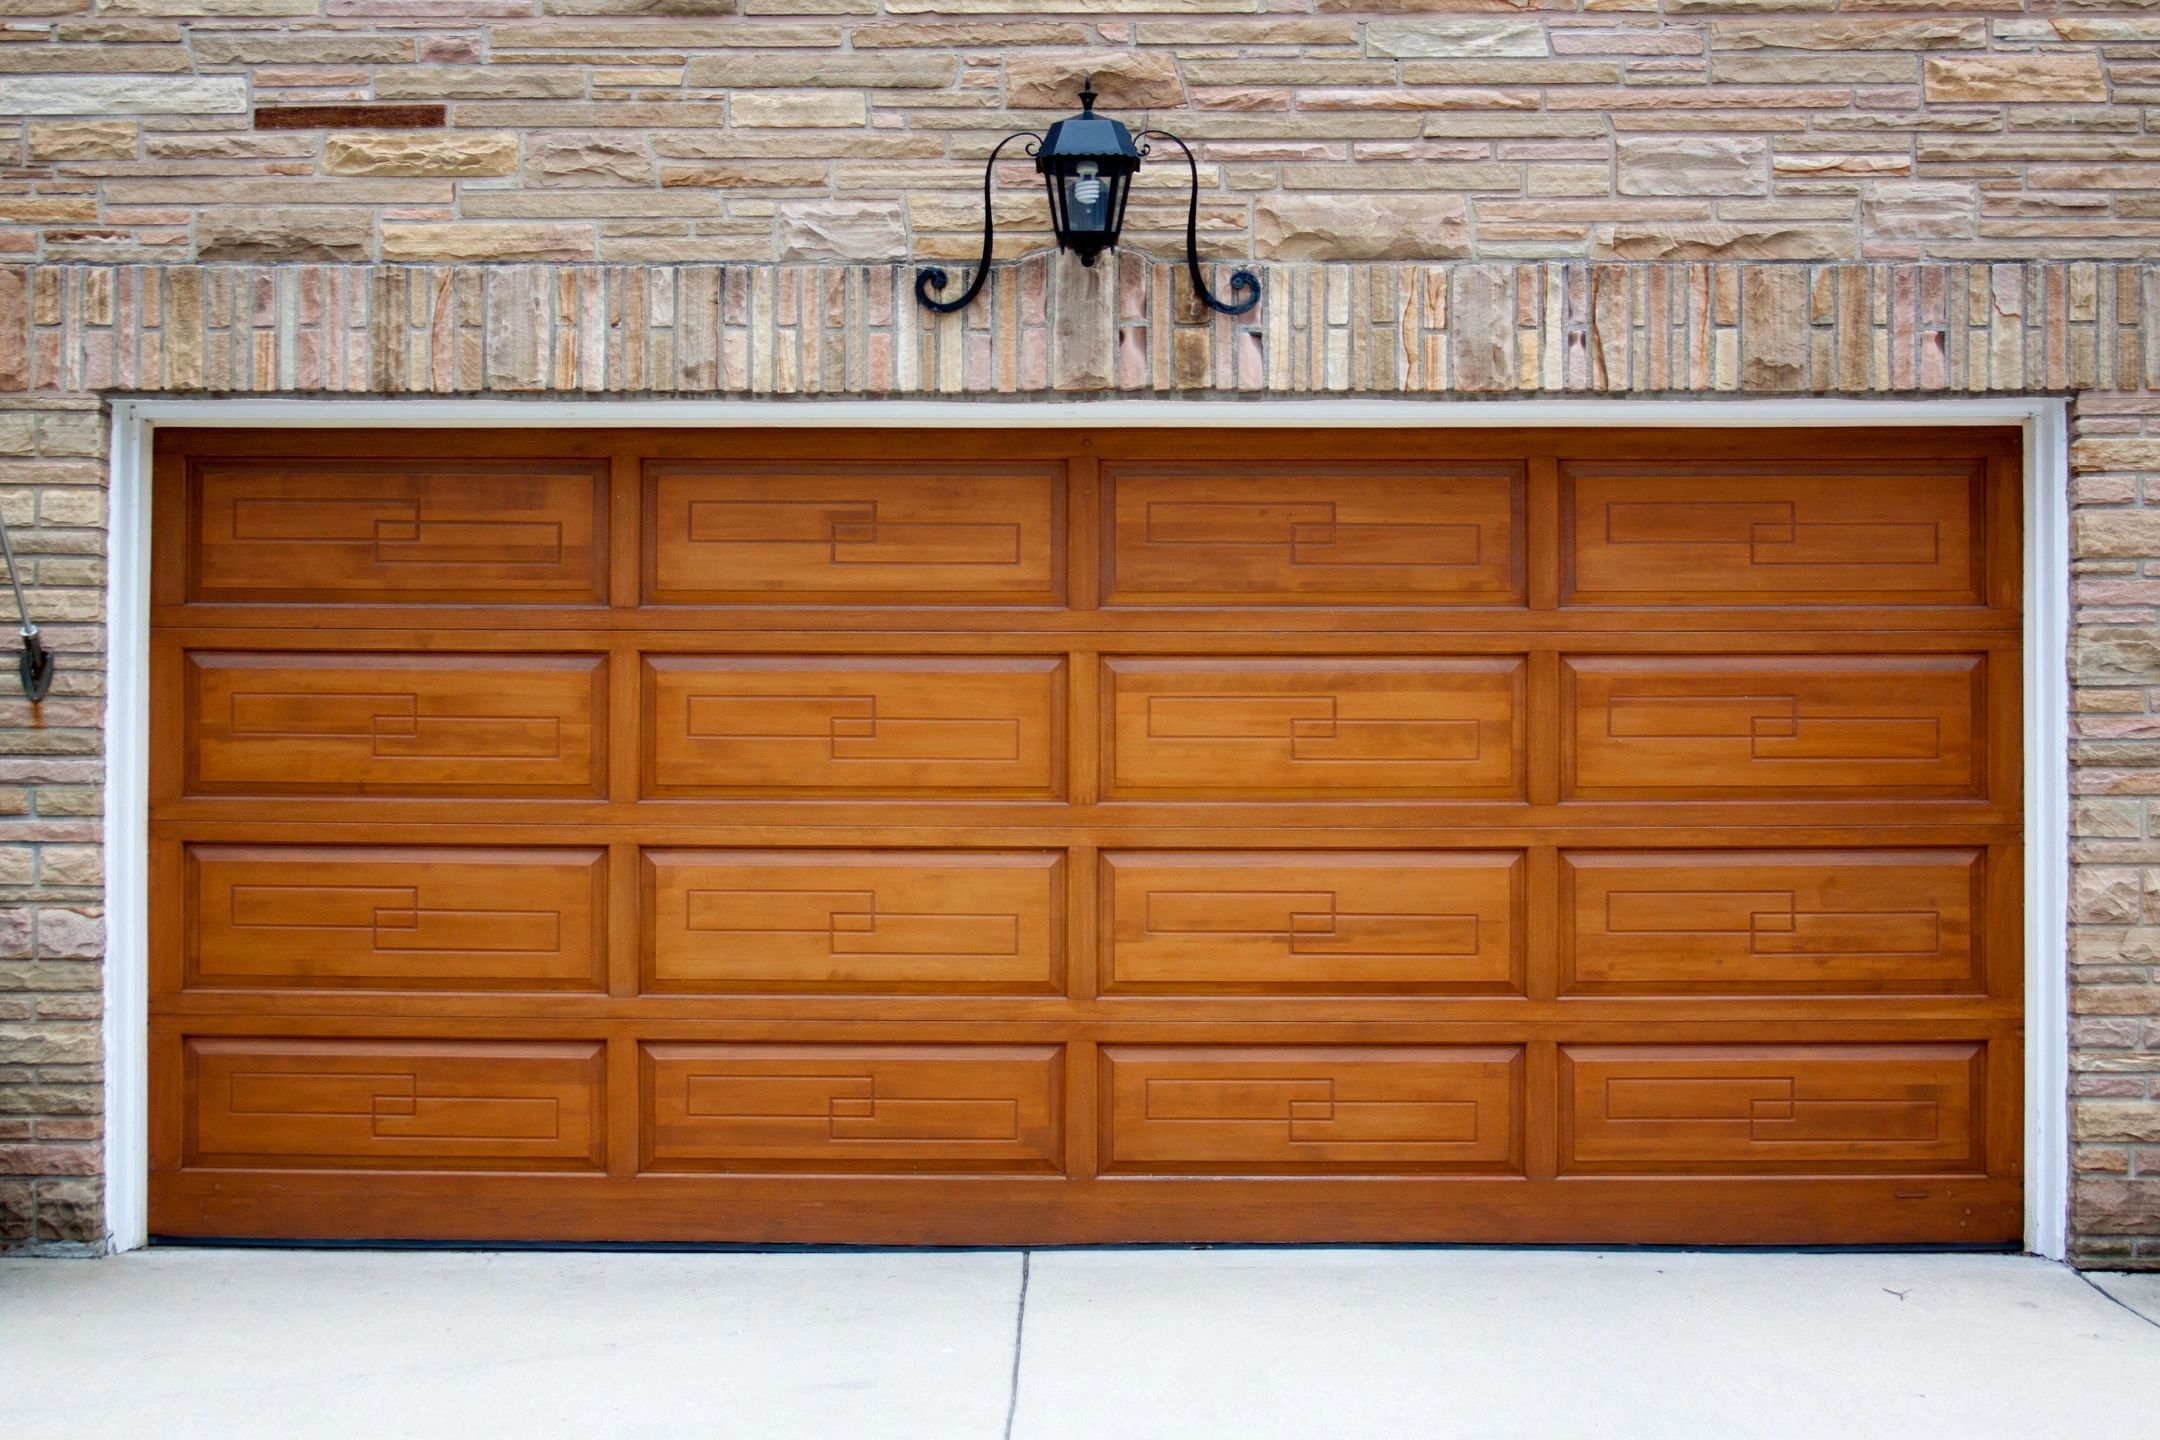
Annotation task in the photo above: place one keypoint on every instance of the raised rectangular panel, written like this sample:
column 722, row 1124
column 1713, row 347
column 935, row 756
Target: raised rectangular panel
column 1771, row 534
column 399, row 531
column 1310, row 1109
column 899, row 1109
column 898, row 534
column 1721, row 726
column 1312, row 922
column 855, row 725
column 1314, row 534
column 1236, row 728
column 388, row 724
column 1771, row 1109
column 1765, row 923
column 391, row 917
column 854, row 922
column 393, row 1104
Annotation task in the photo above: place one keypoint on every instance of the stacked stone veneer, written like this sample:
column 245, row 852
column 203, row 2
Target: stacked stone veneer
column 1447, row 198
column 838, row 130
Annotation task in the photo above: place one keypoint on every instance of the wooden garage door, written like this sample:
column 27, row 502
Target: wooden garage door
column 1053, row 837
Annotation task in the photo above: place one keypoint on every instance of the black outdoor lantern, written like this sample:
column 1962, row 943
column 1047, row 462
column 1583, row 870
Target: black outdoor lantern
column 1087, row 162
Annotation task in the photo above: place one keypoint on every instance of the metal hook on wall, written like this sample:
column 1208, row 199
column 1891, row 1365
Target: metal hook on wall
column 36, row 665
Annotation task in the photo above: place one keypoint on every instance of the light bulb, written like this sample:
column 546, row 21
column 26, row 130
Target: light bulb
column 1087, row 188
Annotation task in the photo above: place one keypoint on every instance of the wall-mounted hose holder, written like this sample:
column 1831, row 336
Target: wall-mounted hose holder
column 36, row 665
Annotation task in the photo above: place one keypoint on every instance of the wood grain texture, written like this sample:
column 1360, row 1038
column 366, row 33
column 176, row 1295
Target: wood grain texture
column 1289, row 535
column 890, row 534
column 1087, row 836
column 385, row 530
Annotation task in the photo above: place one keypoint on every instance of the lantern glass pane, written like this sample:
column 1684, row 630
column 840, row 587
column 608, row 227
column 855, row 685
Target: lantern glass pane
column 1087, row 200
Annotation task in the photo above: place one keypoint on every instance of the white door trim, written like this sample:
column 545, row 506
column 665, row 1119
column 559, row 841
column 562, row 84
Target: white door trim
column 2047, row 684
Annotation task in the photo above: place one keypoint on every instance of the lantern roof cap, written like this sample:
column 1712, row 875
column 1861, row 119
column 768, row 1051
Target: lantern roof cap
column 1088, row 136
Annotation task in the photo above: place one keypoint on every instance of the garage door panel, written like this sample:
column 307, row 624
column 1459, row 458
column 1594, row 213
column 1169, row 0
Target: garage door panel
column 1265, row 728
column 870, row 534
column 1857, row 726
column 854, row 922
column 1657, row 535
column 394, row 1104
column 1740, row 923
column 1327, row 1109
column 1288, row 535
column 370, row 724
column 901, row 1109
column 1772, row 1109
column 855, row 725
column 1305, row 922
column 410, row 531
column 323, row 917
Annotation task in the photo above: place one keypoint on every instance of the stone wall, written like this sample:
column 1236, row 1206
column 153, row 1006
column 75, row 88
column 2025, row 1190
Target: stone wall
column 854, row 130
column 52, row 940
column 2115, row 828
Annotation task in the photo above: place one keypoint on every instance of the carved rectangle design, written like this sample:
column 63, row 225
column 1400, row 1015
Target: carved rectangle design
column 394, row 1104
column 918, row 727
column 396, row 918
column 409, row 530
column 1318, row 1109
column 1305, row 535
column 854, row 922
column 1857, row 1109
column 1766, row 923
column 394, row 724
column 897, row 1109
column 721, row 534
column 1640, row 534
column 1306, row 922
column 1314, row 729
column 1721, row 726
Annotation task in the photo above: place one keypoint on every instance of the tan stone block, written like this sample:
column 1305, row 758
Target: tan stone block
column 849, row 230
column 1510, row 72
column 1848, row 34
column 797, row 112
column 1692, row 165
column 475, row 82
column 419, row 152
column 486, row 241
column 1289, row 72
column 2013, row 77
column 123, row 95
column 992, row 35
column 1694, row 240
column 2123, row 534
column 896, row 71
column 233, row 9
column 1815, row 69
column 762, row 145
column 1125, row 79
column 1919, row 209
column 1430, row 97
column 249, row 47
column 1308, row 35
column 577, row 160
column 2134, row 1121
column 746, row 175
column 657, row 35
column 1361, row 227
column 1471, row 126
column 247, row 145
column 1455, row 39
column 2115, row 453
column 83, row 140
column 641, row 7
column 93, row 59
column 273, row 233
column 1419, row 175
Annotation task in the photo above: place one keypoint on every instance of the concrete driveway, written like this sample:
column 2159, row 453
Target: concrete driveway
column 311, row 1345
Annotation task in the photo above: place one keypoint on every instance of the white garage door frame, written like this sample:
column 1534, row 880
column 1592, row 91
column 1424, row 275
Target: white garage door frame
column 2044, row 422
